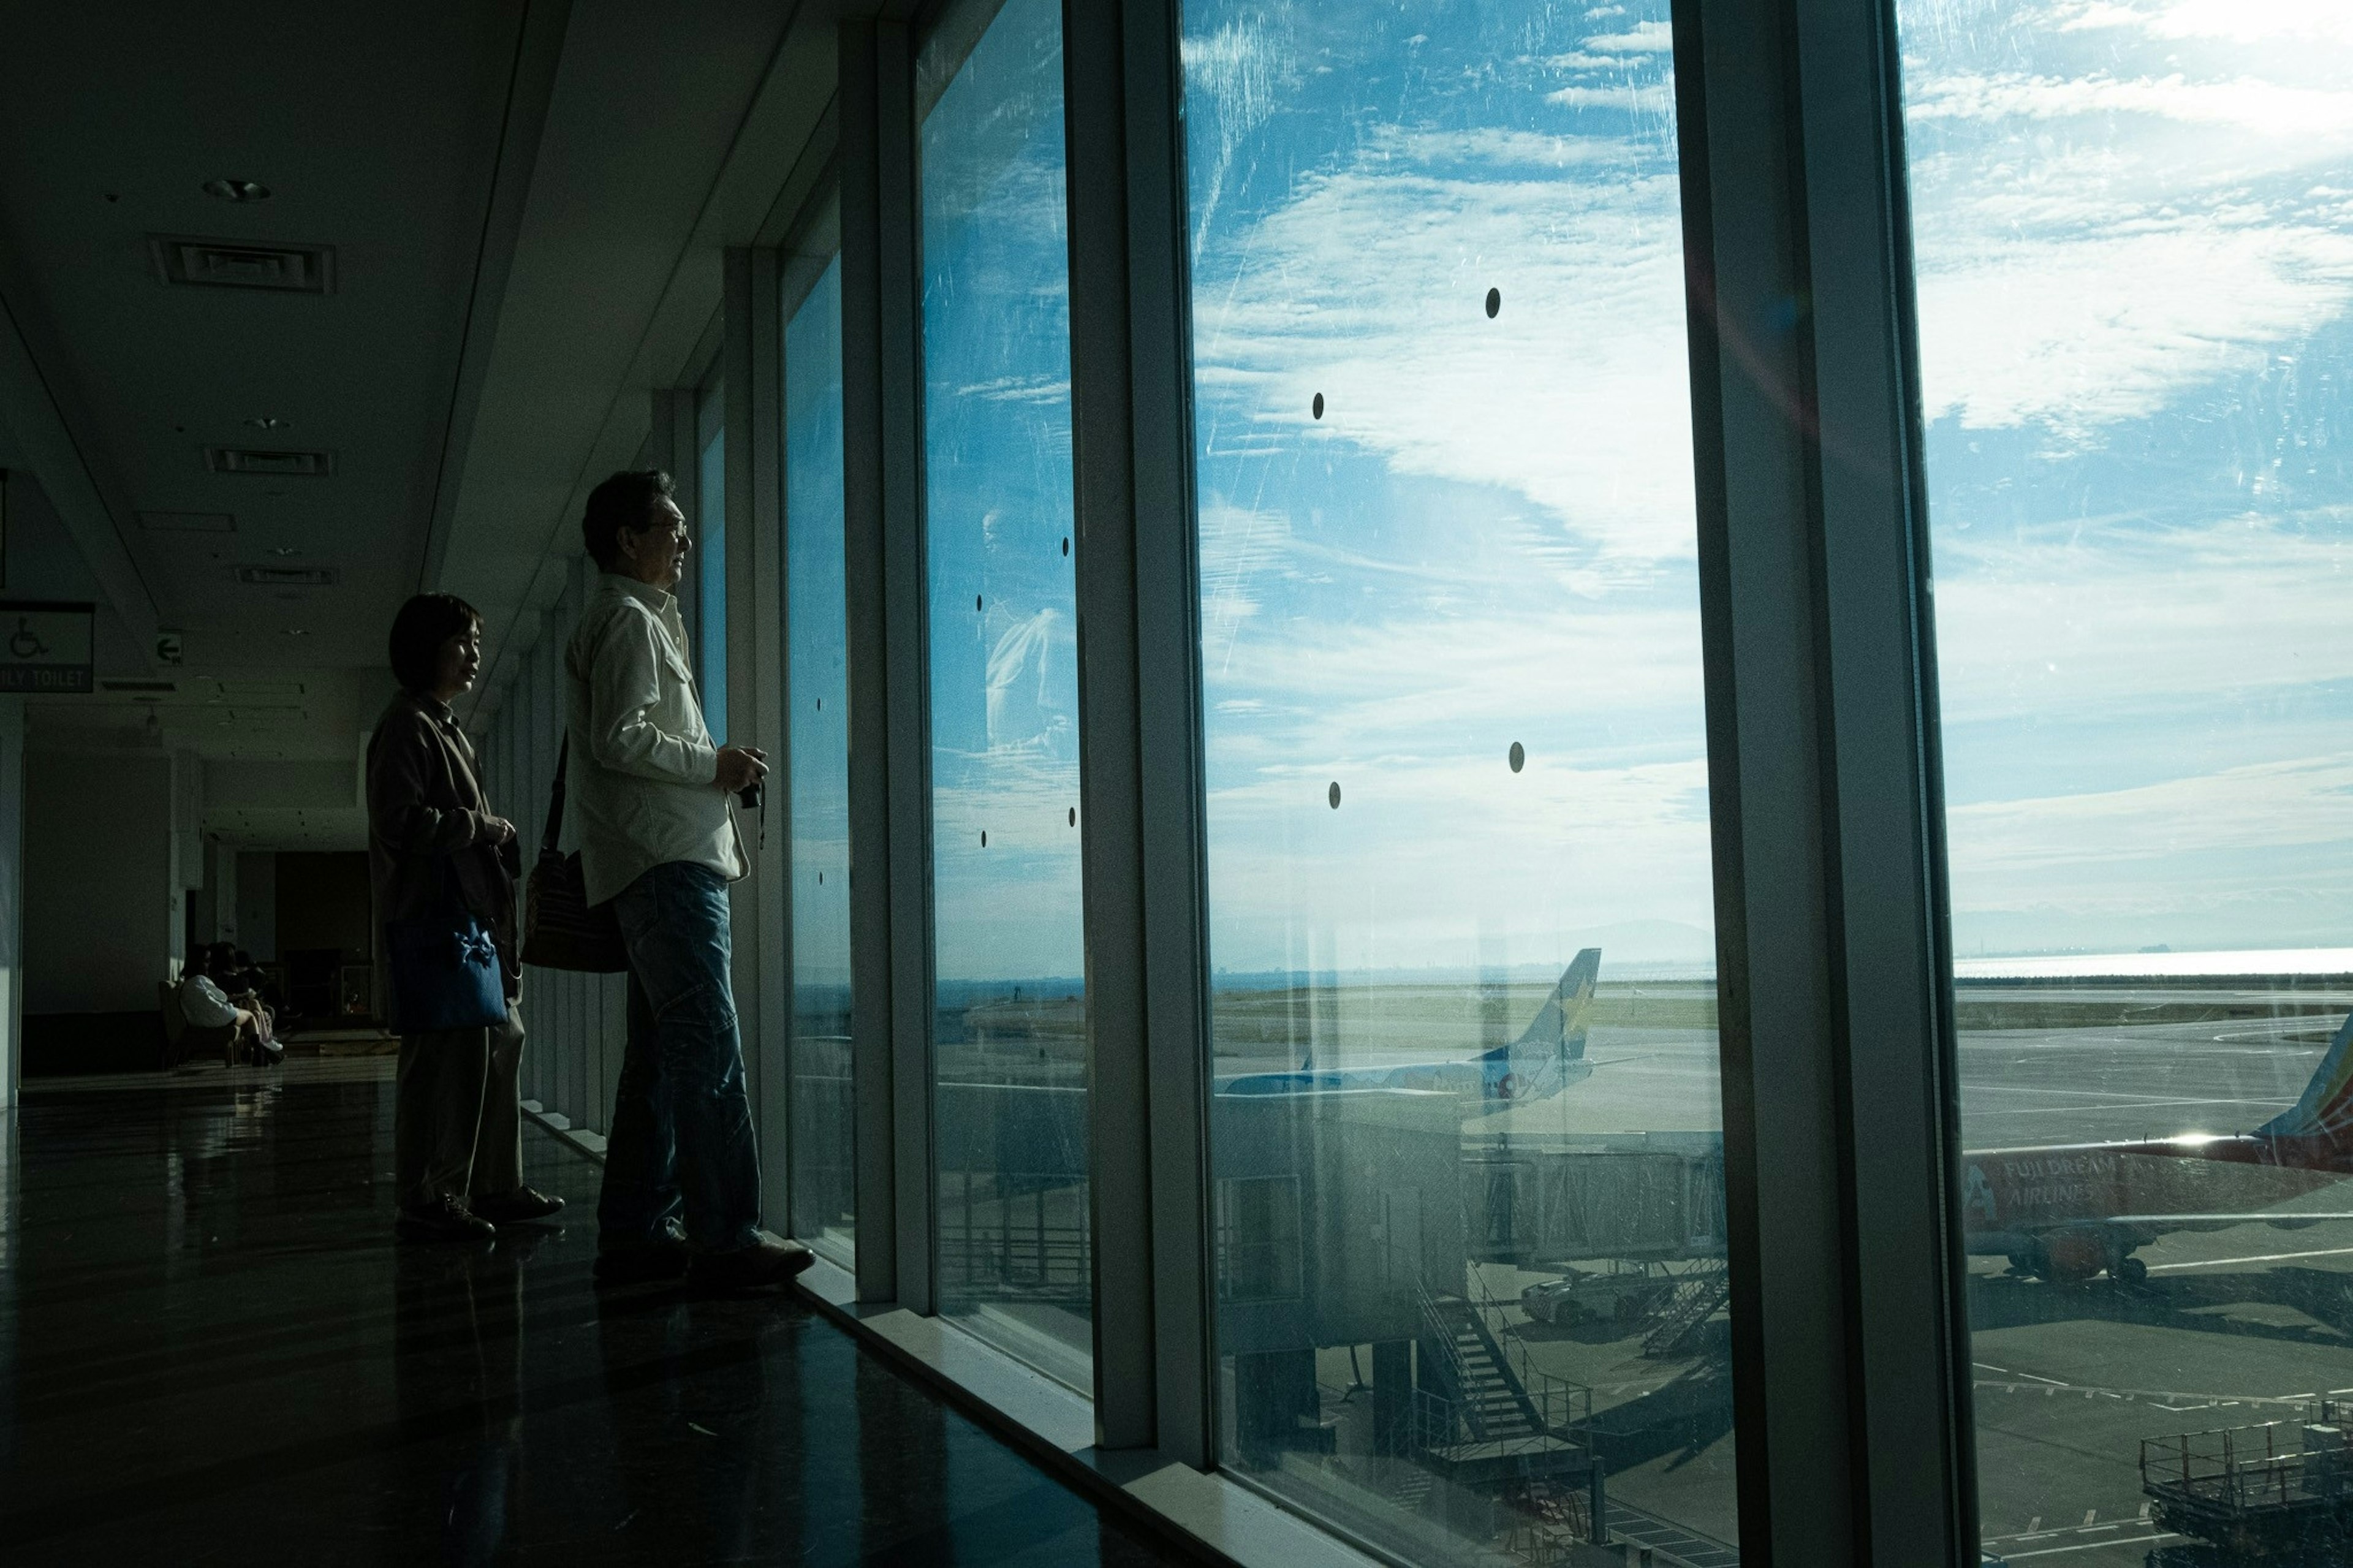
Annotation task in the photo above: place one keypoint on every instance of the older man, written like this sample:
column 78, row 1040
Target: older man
column 652, row 793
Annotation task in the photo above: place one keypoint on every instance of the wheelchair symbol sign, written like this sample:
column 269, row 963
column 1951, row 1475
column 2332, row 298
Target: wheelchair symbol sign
column 48, row 648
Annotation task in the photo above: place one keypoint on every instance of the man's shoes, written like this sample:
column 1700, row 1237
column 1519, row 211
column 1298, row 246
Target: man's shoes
column 520, row 1206
column 642, row 1264
column 444, row 1219
column 749, row 1268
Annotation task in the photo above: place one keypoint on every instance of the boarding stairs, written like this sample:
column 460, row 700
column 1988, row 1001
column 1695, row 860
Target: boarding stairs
column 1697, row 1297
column 1488, row 1394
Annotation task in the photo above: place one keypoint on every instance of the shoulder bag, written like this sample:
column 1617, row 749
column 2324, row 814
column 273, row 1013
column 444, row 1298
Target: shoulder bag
column 561, row 929
column 445, row 968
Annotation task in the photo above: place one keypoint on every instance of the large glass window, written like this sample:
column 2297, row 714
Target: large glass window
column 2134, row 239
column 711, row 550
column 1465, row 1120
column 817, row 678
column 1010, row 1127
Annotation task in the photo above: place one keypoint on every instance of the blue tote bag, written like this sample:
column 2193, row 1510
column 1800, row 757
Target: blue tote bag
column 445, row 972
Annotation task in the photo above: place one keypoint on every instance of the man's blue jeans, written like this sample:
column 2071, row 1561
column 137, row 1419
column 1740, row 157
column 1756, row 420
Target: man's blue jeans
column 680, row 1145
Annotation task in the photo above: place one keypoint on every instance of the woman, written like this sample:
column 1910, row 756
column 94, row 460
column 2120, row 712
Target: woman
column 238, row 1023
column 433, row 840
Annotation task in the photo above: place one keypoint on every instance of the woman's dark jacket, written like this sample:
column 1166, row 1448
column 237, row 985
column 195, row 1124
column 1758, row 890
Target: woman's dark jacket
column 430, row 833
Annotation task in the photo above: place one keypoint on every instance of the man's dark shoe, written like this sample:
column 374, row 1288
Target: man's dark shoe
column 748, row 1268
column 444, row 1219
column 520, row 1206
column 641, row 1264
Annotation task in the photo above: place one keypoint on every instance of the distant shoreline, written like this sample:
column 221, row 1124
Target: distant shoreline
column 2251, row 967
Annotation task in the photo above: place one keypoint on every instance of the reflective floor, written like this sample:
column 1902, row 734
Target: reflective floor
column 211, row 1351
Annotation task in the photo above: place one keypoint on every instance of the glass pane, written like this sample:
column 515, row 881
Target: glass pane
column 817, row 634
column 2135, row 257
column 710, row 570
column 1009, row 1129
column 1465, row 1124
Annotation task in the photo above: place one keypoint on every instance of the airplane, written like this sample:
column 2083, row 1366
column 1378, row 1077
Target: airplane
column 2064, row 1212
column 1547, row 1058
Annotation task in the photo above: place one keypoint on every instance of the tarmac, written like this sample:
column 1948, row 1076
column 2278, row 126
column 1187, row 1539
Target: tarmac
column 2234, row 1326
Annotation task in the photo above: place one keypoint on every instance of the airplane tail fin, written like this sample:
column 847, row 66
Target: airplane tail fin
column 1559, row 1025
column 2327, row 1109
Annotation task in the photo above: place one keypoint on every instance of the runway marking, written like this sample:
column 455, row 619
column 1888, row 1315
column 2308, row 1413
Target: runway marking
column 2087, row 1546
column 2174, row 1402
column 2126, row 1096
column 2035, row 1377
column 2258, row 1257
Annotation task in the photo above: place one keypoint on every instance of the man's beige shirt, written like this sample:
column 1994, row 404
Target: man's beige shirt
column 639, row 785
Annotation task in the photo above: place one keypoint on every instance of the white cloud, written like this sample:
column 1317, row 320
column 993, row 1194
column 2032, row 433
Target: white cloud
column 1634, row 97
column 1367, row 288
column 1238, row 547
column 1432, row 861
column 2108, row 623
column 2101, row 327
column 2254, row 855
column 1643, row 39
column 2234, row 20
column 2244, row 103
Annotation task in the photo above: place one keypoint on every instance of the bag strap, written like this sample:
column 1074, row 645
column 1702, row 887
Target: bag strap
column 555, row 799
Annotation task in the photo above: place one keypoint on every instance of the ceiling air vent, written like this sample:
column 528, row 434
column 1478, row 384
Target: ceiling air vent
column 187, row 522
column 273, row 465
column 185, row 261
column 286, row 576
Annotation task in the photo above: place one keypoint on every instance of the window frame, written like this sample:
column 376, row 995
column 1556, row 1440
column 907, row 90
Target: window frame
column 1850, row 1361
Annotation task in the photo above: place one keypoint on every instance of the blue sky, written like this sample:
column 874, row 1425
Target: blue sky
column 1487, row 537
column 998, row 507
column 817, row 635
column 2133, row 226
column 2134, row 268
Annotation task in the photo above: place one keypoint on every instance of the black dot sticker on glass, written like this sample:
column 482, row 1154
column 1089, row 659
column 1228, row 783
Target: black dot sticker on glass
column 1494, row 302
column 983, row 838
column 1333, row 795
column 1317, row 406
column 1074, row 816
column 1519, row 757
column 976, row 601
column 1066, row 544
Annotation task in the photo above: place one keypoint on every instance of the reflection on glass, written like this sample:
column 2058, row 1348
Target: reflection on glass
column 1465, row 1123
column 711, row 569
column 1009, row 1117
column 2134, row 254
column 817, row 678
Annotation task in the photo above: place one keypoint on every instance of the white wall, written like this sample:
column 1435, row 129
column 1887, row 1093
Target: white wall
column 101, row 899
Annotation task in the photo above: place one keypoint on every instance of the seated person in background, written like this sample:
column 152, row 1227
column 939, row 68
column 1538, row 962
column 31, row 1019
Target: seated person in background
column 247, row 976
column 207, row 1007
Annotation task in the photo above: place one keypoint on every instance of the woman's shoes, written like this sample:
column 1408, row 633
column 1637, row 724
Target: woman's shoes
column 520, row 1206
column 443, row 1219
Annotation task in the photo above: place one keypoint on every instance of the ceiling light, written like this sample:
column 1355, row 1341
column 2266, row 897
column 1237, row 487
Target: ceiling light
column 267, row 422
column 282, row 550
column 298, row 631
column 237, row 190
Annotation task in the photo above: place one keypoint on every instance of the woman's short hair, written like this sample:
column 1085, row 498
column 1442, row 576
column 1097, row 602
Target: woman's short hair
column 624, row 500
column 424, row 624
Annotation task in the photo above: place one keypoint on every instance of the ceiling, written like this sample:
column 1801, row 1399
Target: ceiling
column 525, row 203
column 376, row 130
